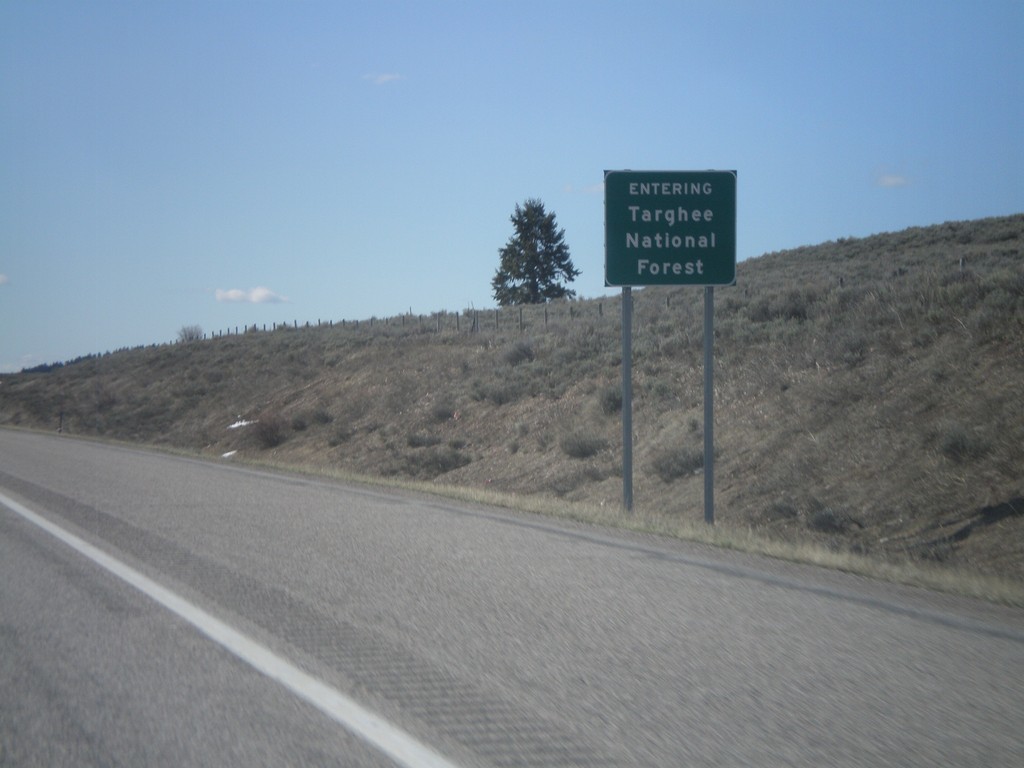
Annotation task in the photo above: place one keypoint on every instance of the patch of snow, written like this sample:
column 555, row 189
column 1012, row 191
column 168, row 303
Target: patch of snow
column 241, row 423
column 228, row 455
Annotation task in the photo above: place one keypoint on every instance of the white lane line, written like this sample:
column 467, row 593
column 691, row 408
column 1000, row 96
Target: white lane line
column 389, row 739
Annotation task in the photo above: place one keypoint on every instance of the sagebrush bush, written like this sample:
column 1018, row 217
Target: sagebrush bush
column 442, row 411
column 520, row 352
column 611, row 400
column 788, row 305
column 498, row 393
column 189, row 333
column 829, row 520
column 959, row 445
column 582, row 445
column 419, row 440
column 341, row 436
column 269, row 430
column 672, row 463
column 434, row 461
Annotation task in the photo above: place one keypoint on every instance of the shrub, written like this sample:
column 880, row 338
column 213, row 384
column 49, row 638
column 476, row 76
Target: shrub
column 778, row 510
column 269, row 430
column 340, row 436
column 417, row 440
column 673, row 463
column 791, row 305
column 661, row 389
column 849, row 346
column 611, row 400
column 520, row 352
column 958, row 445
column 829, row 520
column 434, row 461
column 190, row 333
column 498, row 394
column 442, row 411
column 580, row 445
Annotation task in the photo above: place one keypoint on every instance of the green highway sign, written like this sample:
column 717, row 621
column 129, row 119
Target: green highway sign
column 670, row 227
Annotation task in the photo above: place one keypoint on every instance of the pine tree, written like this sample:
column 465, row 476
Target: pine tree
column 534, row 260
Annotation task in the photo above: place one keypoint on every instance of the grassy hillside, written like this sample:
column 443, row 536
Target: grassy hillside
column 869, row 397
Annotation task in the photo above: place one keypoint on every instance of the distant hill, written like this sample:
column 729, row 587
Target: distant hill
column 869, row 397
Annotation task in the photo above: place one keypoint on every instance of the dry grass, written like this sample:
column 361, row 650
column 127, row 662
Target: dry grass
column 869, row 403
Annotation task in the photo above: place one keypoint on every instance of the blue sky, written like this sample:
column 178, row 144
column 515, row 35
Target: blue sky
column 224, row 163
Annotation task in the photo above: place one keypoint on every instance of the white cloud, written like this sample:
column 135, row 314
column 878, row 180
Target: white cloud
column 265, row 296
column 892, row 180
column 258, row 295
column 382, row 78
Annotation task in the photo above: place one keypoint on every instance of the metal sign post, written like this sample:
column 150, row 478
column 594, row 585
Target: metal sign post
column 669, row 228
column 627, row 399
column 709, row 406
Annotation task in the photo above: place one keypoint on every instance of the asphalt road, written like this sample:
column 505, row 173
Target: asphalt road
column 163, row 611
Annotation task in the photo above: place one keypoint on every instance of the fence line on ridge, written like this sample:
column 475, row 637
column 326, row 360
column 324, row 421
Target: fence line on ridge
column 519, row 318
